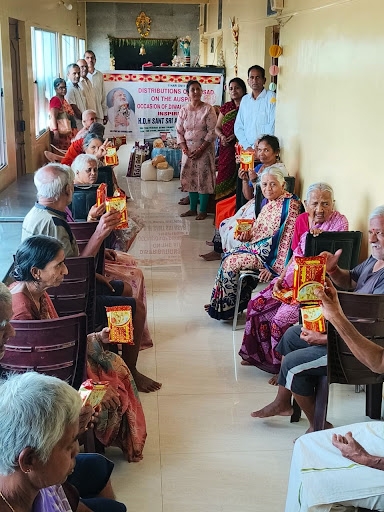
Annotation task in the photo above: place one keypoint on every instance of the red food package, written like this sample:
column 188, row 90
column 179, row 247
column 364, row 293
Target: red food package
column 120, row 323
column 92, row 393
column 313, row 318
column 243, row 225
column 111, row 157
column 284, row 295
column 247, row 160
column 309, row 275
column 119, row 203
column 101, row 194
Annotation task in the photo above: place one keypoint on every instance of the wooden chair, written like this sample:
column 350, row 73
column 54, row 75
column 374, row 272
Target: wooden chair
column 83, row 231
column 56, row 347
column 77, row 293
column 366, row 313
column 53, row 157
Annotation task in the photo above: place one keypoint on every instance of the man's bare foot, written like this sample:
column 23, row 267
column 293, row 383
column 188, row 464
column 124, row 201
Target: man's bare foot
column 189, row 213
column 211, row 256
column 273, row 409
column 210, row 244
column 245, row 363
column 145, row 384
column 273, row 380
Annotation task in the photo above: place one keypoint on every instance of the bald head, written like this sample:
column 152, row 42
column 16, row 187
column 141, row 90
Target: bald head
column 88, row 117
column 82, row 63
column 52, row 180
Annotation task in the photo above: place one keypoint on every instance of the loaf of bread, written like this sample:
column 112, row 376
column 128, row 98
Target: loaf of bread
column 158, row 143
column 162, row 165
column 158, row 159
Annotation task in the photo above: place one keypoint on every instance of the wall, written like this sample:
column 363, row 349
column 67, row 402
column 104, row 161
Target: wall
column 119, row 20
column 39, row 13
column 329, row 107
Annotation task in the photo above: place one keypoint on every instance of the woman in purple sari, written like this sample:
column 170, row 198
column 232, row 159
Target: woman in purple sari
column 267, row 317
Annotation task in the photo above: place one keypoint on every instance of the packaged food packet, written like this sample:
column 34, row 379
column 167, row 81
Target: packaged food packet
column 312, row 317
column 243, row 225
column 111, row 157
column 308, row 275
column 120, row 324
column 101, row 194
column 284, row 295
column 247, row 160
column 92, row 393
column 119, row 203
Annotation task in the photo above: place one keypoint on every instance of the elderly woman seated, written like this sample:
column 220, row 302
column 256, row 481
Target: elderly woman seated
column 267, row 317
column 39, row 265
column 264, row 247
column 36, row 462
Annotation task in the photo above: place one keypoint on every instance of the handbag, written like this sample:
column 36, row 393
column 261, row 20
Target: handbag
column 63, row 124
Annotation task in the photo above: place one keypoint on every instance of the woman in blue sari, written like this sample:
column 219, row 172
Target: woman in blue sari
column 265, row 247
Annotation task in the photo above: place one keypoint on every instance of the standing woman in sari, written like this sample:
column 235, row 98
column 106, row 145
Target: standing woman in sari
column 59, row 106
column 266, row 246
column 226, row 178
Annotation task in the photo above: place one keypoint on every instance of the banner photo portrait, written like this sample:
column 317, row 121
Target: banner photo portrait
column 145, row 104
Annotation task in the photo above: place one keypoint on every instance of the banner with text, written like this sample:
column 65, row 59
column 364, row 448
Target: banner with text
column 145, row 104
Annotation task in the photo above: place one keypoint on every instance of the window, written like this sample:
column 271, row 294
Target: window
column 69, row 52
column 81, row 51
column 45, row 69
column 3, row 142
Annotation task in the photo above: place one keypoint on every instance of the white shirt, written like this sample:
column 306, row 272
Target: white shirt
column 97, row 80
column 89, row 93
column 76, row 97
column 256, row 117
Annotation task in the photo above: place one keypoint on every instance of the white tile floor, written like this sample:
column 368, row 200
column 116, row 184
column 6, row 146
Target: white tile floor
column 204, row 453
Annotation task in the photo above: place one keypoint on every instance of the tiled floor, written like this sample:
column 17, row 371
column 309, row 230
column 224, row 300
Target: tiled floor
column 204, row 452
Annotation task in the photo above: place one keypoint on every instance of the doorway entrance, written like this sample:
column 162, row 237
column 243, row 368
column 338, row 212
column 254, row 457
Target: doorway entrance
column 18, row 105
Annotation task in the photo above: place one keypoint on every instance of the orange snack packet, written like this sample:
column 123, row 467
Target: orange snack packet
column 309, row 275
column 119, row 203
column 92, row 393
column 121, row 324
column 285, row 295
column 247, row 160
column 111, row 157
column 101, row 194
column 243, row 225
column 313, row 318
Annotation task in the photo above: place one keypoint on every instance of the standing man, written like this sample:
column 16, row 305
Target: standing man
column 97, row 79
column 86, row 86
column 74, row 94
column 256, row 115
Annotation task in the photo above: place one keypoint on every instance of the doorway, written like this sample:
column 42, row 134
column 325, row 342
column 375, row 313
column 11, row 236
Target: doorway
column 18, row 105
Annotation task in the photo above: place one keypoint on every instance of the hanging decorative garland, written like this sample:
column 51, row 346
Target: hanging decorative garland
column 115, row 42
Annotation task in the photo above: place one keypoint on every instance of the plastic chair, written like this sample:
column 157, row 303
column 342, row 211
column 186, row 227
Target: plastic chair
column 84, row 197
column 290, row 187
column 366, row 313
column 53, row 157
column 60, row 152
column 76, row 294
column 56, row 347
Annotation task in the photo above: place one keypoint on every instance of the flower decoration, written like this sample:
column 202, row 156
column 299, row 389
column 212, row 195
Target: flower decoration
column 235, row 38
column 143, row 24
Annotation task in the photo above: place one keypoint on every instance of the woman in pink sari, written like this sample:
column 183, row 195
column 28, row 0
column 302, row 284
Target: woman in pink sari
column 268, row 318
column 39, row 265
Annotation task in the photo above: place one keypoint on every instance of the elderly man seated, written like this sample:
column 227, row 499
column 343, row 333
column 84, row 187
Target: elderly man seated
column 305, row 351
column 54, row 184
column 88, row 117
column 322, row 476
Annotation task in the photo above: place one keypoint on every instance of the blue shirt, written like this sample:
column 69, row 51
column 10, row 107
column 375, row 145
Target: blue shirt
column 256, row 117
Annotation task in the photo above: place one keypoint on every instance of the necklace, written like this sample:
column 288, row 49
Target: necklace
column 6, row 501
column 36, row 303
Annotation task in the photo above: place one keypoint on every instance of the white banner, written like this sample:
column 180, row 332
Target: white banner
column 145, row 104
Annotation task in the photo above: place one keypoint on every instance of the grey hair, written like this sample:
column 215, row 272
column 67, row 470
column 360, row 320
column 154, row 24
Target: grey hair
column 377, row 212
column 72, row 65
column 273, row 171
column 5, row 296
column 323, row 187
column 51, row 185
column 86, row 112
column 35, row 410
column 81, row 161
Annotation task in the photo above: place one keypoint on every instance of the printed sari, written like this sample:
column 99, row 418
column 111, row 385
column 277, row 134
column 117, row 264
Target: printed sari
column 269, row 249
column 64, row 107
column 268, row 318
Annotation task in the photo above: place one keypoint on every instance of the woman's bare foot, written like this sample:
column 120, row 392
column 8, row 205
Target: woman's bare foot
column 273, row 380
column 144, row 383
column 245, row 363
column 189, row 213
column 211, row 256
column 206, row 307
column 184, row 200
column 273, row 409
column 210, row 244
column 201, row 216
